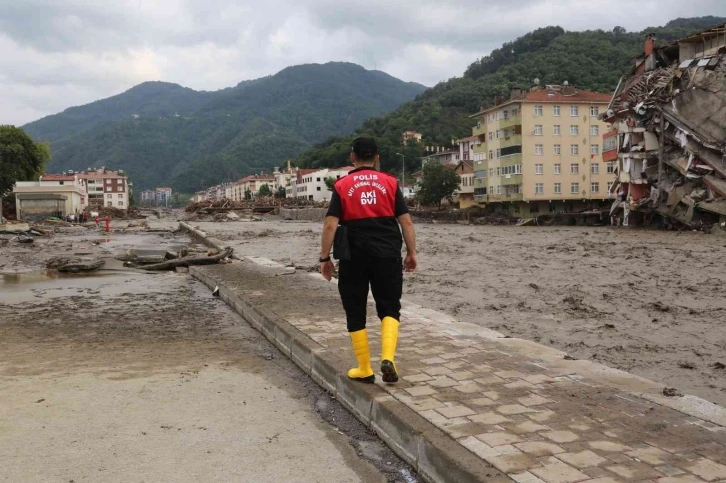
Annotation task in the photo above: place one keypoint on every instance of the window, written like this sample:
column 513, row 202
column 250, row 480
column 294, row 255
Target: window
column 610, row 187
column 610, row 167
column 594, row 130
column 574, row 168
column 514, row 112
column 318, row 180
column 490, row 117
column 557, row 149
column 595, row 168
column 539, row 188
column 499, row 171
column 610, row 143
column 556, row 130
column 539, row 169
column 574, row 149
column 499, row 153
column 556, row 111
column 318, row 188
column 537, row 110
column 108, row 188
column 574, row 188
column 110, row 203
column 538, row 150
column 491, row 172
column 491, row 135
column 499, row 134
column 517, row 169
column 595, row 187
column 499, row 190
column 109, row 196
column 558, row 188
column 574, row 111
column 594, row 110
column 594, row 149
column 120, row 196
column 120, row 203
column 491, row 154
column 538, row 130
column 574, row 130
column 558, row 168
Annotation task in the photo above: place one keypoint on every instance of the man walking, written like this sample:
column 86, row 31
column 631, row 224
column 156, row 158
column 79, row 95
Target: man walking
column 369, row 206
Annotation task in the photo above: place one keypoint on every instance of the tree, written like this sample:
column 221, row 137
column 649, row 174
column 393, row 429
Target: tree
column 438, row 183
column 21, row 159
column 330, row 182
column 264, row 190
column 248, row 194
column 132, row 200
column 281, row 193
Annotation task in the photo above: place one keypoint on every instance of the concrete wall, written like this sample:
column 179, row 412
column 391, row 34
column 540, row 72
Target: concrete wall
column 39, row 209
column 303, row 214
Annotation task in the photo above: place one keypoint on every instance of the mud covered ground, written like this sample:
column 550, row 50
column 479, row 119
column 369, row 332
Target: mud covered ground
column 648, row 302
column 125, row 376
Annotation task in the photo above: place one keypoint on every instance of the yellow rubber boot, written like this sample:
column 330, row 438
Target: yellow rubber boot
column 364, row 372
column 389, row 338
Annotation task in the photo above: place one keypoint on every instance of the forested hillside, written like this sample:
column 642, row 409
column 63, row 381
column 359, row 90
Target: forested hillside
column 592, row 60
column 162, row 133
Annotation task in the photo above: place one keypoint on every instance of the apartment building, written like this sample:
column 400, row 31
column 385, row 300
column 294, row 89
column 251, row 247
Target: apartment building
column 236, row 191
column 106, row 188
column 310, row 184
column 408, row 135
column 540, row 151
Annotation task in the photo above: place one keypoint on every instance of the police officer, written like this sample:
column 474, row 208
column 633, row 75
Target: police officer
column 370, row 205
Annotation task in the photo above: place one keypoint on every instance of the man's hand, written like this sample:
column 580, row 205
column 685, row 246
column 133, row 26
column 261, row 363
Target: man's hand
column 326, row 269
column 410, row 262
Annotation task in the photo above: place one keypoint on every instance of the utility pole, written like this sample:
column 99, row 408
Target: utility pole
column 403, row 172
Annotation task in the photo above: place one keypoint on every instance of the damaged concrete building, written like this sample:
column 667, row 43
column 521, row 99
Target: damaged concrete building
column 666, row 143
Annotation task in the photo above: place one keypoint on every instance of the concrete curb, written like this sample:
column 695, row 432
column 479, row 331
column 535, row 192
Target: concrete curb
column 435, row 456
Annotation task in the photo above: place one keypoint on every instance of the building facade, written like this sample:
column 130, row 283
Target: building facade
column 52, row 195
column 408, row 135
column 540, row 151
column 310, row 184
column 106, row 188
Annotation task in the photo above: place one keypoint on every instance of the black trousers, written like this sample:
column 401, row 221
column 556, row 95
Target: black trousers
column 385, row 278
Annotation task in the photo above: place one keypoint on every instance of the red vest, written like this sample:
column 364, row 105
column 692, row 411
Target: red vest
column 367, row 194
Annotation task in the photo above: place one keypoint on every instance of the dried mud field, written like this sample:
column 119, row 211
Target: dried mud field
column 648, row 302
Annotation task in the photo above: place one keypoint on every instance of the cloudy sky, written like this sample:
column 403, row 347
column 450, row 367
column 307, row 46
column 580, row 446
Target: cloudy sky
column 61, row 53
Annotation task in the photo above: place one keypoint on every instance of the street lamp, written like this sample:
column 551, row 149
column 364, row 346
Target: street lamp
column 403, row 172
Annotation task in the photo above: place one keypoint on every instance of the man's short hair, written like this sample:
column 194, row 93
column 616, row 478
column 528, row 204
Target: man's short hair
column 365, row 149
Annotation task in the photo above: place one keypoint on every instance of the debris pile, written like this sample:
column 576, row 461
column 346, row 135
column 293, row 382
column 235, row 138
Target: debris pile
column 667, row 147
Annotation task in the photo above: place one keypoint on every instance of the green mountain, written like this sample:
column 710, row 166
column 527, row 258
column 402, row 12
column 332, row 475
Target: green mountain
column 592, row 60
column 162, row 133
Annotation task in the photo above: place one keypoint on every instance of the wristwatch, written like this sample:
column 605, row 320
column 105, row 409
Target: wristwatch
column 326, row 259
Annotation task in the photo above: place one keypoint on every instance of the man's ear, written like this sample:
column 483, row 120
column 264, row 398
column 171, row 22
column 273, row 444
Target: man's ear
column 352, row 158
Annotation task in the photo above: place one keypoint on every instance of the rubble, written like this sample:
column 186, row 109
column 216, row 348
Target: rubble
column 667, row 141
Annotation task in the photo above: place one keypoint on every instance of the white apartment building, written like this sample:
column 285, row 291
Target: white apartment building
column 310, row 184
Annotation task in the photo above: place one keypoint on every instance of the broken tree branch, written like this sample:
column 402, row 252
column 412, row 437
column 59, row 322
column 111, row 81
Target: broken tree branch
column 189, row 261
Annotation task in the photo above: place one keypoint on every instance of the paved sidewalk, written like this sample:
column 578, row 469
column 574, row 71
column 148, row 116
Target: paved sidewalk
column 521, row 407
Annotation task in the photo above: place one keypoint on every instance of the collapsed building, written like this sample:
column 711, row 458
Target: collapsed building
column 666, row 143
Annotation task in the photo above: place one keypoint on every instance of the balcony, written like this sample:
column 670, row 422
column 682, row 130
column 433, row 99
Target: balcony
column 513, row 197
column 515, row 140
column 478, row 131
column 510, row 160
column 510, row 179
column 510, row 121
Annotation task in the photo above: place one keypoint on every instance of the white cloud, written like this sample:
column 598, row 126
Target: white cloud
column 60, row 53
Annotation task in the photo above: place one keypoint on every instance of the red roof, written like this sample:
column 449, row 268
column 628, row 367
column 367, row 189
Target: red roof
column 545, row 95
column 57, row 177
column 347, row 169
column 470, row 138
column 95, row 175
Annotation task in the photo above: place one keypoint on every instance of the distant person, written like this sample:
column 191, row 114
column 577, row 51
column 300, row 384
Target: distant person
column 98, row 222
column 369, row 207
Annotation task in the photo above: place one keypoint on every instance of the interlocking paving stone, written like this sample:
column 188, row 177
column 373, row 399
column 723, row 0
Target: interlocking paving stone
column 707, row 469
column 583, row 459
column 455, row 411
column 539, row 448
column 555, row 471
column 560, row 436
